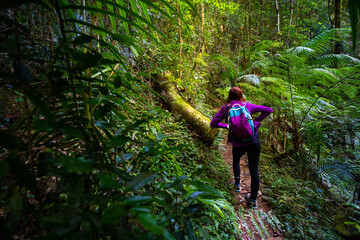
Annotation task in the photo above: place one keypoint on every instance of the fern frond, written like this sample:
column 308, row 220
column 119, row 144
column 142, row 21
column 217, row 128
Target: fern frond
column 263, row 64
column 244, row 224
column 334, row 59
column 250, row 78
column 261, row 222
column 255, row 223
column 272, row 220
column 326, row 73
column 324, row 41
column 222, row 59
column 301, row 50
column 333, row 169
column 219, row 139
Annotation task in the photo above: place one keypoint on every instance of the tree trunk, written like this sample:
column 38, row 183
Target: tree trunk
column 244, row 36
column 331, row 20
column 278, row 16
column 291, row 12
column 337, row 19
column 262, row 25
column 202, row 28
column 178, row 105
column 180, row 39
column 249, row 33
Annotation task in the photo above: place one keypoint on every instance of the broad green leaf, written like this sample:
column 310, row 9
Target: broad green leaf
column 189, row 229
column 145, row 12
column 119, row 141
column 112, row 18
column 112, row 214
column 100, row 18
column 141, row 180
column 108, row 181
column 103, row 31
column 137, row 200
column 149, row 222
column 205, row 190
column 140, row 210
column 135, row 10
column 83, row 60
column 192, row 209
column 176, row 181
column 83, row 39
column 123, row 14
column 218, row 211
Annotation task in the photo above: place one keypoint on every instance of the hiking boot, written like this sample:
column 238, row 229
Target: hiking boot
column 252, row 203
column 237, row 188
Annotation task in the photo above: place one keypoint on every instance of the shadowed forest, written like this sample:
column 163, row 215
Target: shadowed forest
column 105, row 110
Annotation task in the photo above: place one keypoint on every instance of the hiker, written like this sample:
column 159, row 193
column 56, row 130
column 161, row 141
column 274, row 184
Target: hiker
column 240, row 147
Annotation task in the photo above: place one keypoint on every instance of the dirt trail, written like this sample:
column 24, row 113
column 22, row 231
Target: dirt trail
column 254, row 223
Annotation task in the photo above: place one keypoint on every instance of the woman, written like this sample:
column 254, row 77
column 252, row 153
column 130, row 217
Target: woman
column 239, row 149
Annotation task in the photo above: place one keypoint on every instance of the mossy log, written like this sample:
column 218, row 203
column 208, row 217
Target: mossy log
column 198, row 122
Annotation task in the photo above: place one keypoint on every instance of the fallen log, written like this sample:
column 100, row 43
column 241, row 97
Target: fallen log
column 198, row 122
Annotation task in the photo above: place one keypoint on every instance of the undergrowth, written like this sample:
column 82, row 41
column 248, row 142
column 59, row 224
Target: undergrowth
column 305, row 210
column 194, row 158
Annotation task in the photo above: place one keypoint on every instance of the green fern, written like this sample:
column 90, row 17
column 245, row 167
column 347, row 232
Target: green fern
column 244, row 224
column 259, row 216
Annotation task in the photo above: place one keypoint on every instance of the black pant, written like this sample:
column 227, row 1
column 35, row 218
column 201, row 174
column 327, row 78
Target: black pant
column 253, row 152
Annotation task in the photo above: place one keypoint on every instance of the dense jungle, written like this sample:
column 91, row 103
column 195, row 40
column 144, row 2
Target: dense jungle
column 105, row 110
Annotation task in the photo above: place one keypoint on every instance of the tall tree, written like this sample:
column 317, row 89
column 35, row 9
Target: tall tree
column 278, row 15
column 180, row 38
column 337, row 21
column 354, row 10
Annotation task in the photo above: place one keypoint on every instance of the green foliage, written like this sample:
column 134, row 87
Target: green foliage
column 305, row 210
column 88, row 155
column 86, row 151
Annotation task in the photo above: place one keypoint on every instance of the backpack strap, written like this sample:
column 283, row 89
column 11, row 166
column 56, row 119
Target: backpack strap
column 230, row 105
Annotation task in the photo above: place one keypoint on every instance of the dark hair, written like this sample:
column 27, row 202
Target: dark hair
column 235, row 93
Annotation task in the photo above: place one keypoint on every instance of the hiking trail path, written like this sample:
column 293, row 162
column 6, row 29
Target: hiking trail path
column 256, row 224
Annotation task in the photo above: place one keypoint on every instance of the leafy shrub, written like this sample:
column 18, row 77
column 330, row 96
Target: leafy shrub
column 88, row 156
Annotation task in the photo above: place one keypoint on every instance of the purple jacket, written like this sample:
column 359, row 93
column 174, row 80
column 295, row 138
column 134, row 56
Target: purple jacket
column 222, row 114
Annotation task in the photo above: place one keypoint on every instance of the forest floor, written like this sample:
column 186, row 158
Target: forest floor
column 251, row 221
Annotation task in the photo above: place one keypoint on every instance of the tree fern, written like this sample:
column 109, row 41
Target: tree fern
column 322, row 43
column 250, row 78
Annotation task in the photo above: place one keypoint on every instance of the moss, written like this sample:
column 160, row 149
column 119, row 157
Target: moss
column 345, row 222
column 199, row 122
